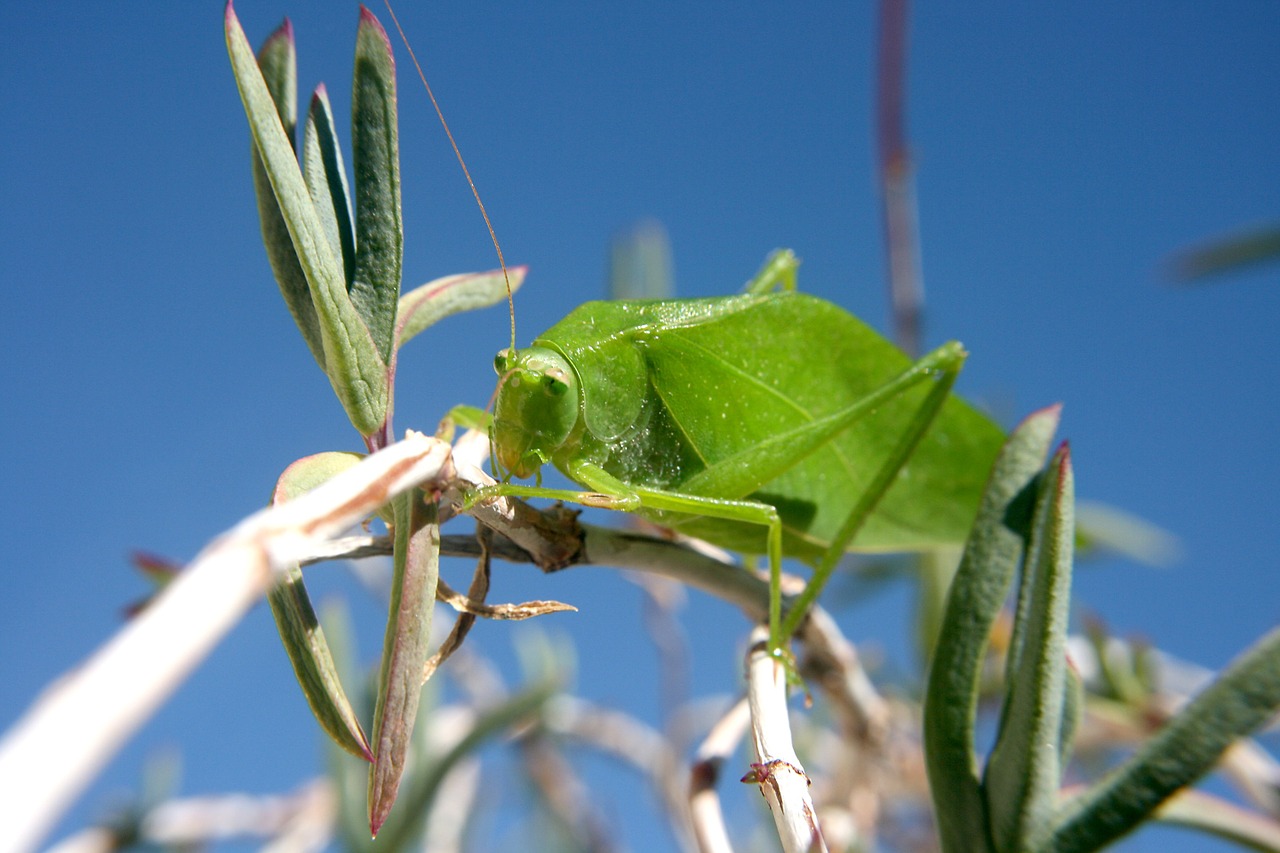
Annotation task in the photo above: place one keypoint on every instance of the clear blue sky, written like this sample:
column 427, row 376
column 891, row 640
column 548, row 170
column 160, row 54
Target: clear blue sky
column 155, row 385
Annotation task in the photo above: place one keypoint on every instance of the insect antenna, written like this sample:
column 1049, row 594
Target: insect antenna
column 465, row 171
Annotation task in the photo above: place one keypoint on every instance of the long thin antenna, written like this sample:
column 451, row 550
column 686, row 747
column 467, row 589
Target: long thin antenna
column 511, row 308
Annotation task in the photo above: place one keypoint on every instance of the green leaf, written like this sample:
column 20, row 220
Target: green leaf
column 931, row 573
column 351, row 777
column 375, row 283
column 308, row 651
column 278, row 62
column 981, row 585
column 427, row 305
column 1022, row 776
column 300, row 632
column 356, row 371
column 326, row 179
column 1242, row 699
column 1073, row 701
column 406, row 647
column 348, row 775
column 310, row 471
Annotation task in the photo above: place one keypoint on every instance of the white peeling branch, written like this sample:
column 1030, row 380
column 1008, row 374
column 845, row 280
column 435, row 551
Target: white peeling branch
column 777, row 770
column 81, row 720
column 298, row 822
column 722, row 741
column 634, row 743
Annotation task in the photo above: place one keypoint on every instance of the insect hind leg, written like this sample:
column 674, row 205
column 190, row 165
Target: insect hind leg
column 943, row 364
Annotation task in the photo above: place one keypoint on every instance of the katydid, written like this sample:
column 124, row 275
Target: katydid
column 770, row 423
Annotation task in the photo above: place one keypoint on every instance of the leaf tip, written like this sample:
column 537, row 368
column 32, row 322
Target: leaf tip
column 1061, row 465
column 377, row 817
column 1050, row 415
column 368, row 19
column 284, row 33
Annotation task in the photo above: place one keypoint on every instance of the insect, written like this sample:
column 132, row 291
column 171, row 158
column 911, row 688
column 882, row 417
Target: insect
column 770, row 423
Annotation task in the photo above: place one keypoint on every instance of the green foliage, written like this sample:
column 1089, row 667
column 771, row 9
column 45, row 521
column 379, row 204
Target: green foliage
column 355, row 368
column 1025, row 528
column 339, row 272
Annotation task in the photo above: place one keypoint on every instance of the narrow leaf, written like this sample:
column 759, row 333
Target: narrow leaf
column 327, row 179
column 350, row 778
column 308, row 651
column 1023, row 773
column 1243, row 698
column 421, row 789
column 1073, row 699
column 982, row 582
column 375, row 283
column 427, row 305
column 356, row 371
column 278, row 61
column 300, row 632
column 406, row 648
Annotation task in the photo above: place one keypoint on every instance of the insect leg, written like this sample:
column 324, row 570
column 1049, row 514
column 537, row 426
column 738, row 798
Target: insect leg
column 748, row 512
column 944, row 364
column 611, row 493
column 623, row 501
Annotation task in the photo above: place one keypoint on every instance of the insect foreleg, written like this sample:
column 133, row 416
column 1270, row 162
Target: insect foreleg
column 625, row 502
column 748, row 512
column 612, row 493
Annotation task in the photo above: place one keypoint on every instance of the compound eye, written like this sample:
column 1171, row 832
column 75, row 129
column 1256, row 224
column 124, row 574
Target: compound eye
column 501, row 361
column 555, row 382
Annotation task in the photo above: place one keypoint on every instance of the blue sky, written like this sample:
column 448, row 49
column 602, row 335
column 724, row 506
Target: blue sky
column 155, row 384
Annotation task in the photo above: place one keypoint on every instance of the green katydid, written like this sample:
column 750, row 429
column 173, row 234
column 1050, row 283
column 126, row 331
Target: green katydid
column 770, row 423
